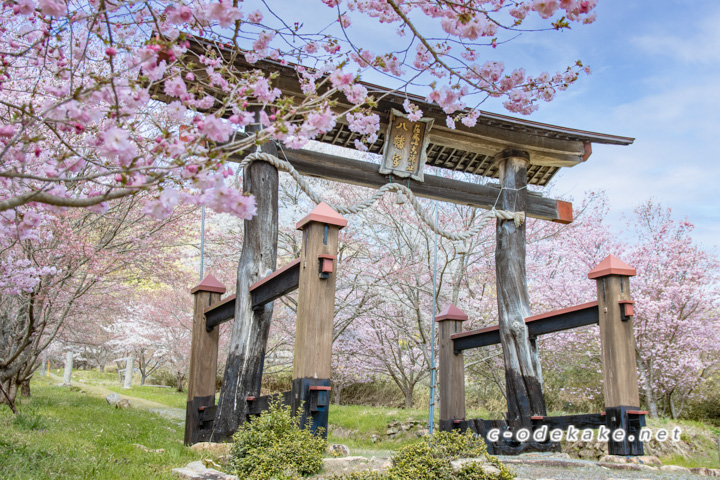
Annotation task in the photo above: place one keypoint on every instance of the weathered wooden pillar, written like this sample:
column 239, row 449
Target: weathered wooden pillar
column 128, row 372
column 622, row 396
column 452, row 370
column 310, row 396
column 67, row 373
column 203, row 363
column 524, row 392
column 243, row 369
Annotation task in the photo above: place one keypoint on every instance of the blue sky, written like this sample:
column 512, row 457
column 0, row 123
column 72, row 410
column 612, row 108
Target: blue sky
column 656, row 72
column 656, row 77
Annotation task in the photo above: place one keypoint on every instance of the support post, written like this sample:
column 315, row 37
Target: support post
column 310, row 396
column 622, row 396
column 452, row 370
column 128, row 372
column 67, row 374
column 244, row 366
column 524, row 392
column 203, row 362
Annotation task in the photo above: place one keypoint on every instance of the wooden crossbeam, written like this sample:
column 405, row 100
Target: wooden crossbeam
column 257, row 405
column 590, row 420
column 555, row 321
column 281, row 282
column 358, row 172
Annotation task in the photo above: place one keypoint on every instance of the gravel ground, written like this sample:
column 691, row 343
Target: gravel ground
column 548, row 467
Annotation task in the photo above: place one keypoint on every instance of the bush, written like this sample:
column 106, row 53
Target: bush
column 273, row 445
column 430, row 459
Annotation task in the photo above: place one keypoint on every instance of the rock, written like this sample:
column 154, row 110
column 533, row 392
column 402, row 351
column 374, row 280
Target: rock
column 614, row 459
column 701, row 471
column 113, row 398
column 149, row 450
column 337, row 466
column 374, row 438
column 644, row 460
column 406, row 426
column 379, row 464
column 489, row 469
column 461, row 462
column 421, row 432
column 198, row 471
column 391, row 431
column 123, row 403
column 338, row 450
column 212, row 449
column 674, row 468
column 620, row 466
column 714, row 472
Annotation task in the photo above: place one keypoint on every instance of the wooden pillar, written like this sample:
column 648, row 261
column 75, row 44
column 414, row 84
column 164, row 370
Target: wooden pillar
column 67, row 373
column 315, row 311
column 524, row 392
column 622, row 396
column 129, row 361
column 452, row 370
column 203, row 363
column 243, row 369
column 534, row 352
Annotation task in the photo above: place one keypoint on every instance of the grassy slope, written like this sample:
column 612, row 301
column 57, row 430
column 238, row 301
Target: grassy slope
column 65, row 434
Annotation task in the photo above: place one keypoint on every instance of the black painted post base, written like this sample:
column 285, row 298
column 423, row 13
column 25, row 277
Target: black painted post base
column 199, row 416
column 628, row 420
column 310, row 399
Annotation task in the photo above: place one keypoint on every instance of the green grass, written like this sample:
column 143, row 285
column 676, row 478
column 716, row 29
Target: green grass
column 61, row 433
column 700, row 435
column 166, row 396
column 364, row 421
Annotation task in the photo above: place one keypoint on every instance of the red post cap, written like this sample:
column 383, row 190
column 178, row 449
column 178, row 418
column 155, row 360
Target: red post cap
column 209, row 284
column 323, row 213
column 451, row 312
column 612, row 266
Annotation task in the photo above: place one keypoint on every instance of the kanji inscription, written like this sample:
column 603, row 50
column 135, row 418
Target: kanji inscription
column 405, row 145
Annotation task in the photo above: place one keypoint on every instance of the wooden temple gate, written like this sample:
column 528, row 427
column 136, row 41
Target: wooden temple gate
column 516, row 152
column 613, row 312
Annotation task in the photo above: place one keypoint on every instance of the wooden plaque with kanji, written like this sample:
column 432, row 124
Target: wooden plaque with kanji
column 405, row 144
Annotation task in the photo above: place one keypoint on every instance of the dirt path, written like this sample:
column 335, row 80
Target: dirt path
column 171, row 413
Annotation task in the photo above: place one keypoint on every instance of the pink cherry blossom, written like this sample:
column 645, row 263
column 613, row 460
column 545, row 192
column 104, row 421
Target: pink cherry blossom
column 53, row 8
column 216, row 129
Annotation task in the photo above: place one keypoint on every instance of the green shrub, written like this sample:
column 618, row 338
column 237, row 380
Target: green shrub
column 429, row 459
column 273, row 445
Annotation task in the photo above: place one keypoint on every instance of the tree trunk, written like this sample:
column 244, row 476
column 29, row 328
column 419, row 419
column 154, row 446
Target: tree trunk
column 67, row 375
column 524, row 392
column 143, row 376
column 119, row 372
column 650, row 399
column 101, row 367
column 179, row 377
column 409, row 396
column 25, row 388
column 243, row 369
column 673, row 410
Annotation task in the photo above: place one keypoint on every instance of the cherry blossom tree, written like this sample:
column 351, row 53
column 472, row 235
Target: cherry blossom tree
column 64, row 267
column 79, row 84
column 677, row 293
